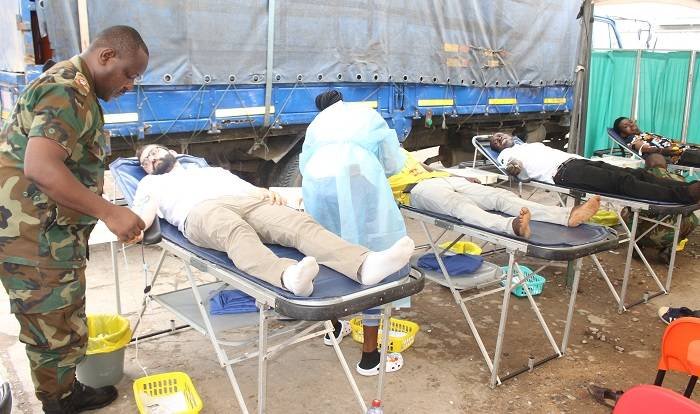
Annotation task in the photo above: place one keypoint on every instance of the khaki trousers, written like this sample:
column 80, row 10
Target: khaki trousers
column 240, row 225
column 457, row 197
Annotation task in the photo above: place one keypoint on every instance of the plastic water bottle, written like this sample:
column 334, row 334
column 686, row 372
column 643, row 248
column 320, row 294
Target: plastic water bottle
column 375, row 408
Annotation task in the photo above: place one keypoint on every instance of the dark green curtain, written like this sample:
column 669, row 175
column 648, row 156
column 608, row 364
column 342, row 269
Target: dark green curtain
column 610, row 95
column 662, row 89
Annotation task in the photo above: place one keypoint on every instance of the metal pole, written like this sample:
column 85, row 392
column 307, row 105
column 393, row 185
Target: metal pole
column 634, row 111
column 270, row 53
column 83, row 25
column 688, row 97
column 577, row 131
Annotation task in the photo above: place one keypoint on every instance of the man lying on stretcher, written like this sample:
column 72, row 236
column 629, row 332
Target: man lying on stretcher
column 213, row 208
column 466, row 199
column 539, row 162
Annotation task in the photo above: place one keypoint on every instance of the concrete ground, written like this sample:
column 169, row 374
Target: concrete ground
column 444, row 371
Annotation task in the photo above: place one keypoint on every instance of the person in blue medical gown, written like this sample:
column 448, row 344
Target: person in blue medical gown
column 348, row 152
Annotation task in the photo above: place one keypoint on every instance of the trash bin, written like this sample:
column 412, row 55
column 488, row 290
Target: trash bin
column 103, row 365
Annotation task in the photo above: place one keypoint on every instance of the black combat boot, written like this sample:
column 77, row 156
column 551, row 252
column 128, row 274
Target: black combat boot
column 63, row 406
column 84, row 398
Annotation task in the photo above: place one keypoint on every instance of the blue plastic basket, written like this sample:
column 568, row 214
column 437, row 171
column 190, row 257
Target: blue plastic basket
column 534, row 282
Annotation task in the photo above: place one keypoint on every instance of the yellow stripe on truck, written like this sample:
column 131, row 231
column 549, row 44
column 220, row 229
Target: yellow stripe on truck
column 436, row 102
column 502, row 101
column 369, row 104
column 554, row 101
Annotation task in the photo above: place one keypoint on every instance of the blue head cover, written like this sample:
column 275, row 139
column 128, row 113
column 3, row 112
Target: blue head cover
column 348, row 153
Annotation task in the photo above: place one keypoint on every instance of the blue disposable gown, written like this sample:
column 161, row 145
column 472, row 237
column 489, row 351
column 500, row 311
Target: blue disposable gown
column 348, row 152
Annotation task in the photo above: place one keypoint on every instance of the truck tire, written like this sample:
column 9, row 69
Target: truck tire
column 286, row 173
column 531, row 133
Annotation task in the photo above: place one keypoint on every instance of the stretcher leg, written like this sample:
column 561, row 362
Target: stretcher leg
column 458, row 297
column 262, row 358
column 330, row 329
column 386, row 322
column 504, row 319
column 220, row 353
column 628, row 260
column 572, row 302
column 674, row 246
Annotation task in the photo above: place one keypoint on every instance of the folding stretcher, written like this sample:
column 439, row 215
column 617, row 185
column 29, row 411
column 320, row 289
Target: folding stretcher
column 617, row 139
column 550, row 242
column 671, row 213
column 334, row 296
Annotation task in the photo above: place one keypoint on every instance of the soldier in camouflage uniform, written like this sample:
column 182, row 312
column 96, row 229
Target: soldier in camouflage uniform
column 661, row 237
column 52, row 153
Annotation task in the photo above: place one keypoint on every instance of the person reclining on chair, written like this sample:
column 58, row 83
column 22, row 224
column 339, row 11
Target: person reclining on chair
column 539, row 162
column 422, row 187
column 646, row 143
column 215, row 209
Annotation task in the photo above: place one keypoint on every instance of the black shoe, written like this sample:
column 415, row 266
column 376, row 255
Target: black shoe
column 84, row 398
column 63, row 406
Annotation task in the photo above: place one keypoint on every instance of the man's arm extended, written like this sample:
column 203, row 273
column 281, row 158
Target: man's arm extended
column 146, row 207
column 44, row 165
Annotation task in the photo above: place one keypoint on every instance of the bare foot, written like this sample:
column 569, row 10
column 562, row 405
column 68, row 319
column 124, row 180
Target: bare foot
column 521, row 224
column 583, row 212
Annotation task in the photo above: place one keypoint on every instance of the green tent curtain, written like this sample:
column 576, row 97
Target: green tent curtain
column 694, row 124
column 662, row 92
column 662, row 89
column 610, row 95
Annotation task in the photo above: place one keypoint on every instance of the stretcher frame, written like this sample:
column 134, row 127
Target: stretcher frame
column 512, row 245
column 672, row 216
column 314, row 315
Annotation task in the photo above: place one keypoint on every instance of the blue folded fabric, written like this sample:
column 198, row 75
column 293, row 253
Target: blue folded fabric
column 228, row 302
column 457, row 264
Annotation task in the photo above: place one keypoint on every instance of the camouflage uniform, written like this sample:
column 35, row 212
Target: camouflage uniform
column 43, row 246
column 661, row 237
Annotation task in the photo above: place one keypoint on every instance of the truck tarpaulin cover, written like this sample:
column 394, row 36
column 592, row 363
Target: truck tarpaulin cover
column 505, row 41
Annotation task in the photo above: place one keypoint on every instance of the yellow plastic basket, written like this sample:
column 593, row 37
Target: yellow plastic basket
column 173, row 391
column 402, row 333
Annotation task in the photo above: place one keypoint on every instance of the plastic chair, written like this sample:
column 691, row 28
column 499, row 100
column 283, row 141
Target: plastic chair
column 650, row 399
column 680, row 351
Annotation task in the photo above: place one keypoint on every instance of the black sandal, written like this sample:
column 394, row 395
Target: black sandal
column 603, row 395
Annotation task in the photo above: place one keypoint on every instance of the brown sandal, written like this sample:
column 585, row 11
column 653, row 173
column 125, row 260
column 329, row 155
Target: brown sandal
column 604, row 395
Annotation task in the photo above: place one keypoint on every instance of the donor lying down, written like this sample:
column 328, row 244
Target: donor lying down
column 215, row 209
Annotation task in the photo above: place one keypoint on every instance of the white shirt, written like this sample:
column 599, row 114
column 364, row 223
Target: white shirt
column 178, row 191
column 540, row 162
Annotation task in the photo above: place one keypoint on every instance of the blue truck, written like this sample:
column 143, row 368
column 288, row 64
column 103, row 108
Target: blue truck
column 234, row 81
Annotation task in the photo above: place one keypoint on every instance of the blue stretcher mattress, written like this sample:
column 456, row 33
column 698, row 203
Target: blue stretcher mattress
column 328, row 284
column 483, row 146
column 548, row 241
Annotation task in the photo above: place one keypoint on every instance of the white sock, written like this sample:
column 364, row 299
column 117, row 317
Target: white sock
column 378, row 265
column 299, row 278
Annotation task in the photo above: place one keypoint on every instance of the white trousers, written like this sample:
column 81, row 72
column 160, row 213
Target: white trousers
column 467, row 201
